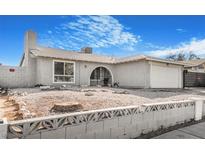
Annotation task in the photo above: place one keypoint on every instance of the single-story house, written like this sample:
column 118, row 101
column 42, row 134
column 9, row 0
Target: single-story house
column 49, row 66
column 194, row 73
column 196, row 65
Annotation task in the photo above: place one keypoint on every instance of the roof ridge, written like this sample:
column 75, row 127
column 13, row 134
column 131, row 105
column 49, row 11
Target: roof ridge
column 74, row 55
column 73, row 51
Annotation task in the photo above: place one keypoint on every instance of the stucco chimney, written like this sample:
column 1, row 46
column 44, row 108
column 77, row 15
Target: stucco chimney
column 87, row 50
column 29, row 43
column 30, row 62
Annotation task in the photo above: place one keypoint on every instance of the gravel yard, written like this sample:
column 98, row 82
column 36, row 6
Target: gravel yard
column 35, row 103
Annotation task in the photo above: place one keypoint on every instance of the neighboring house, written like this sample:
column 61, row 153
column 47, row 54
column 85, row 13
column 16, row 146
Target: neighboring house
column 194, row 76
column 197, row 65
column 49, row 66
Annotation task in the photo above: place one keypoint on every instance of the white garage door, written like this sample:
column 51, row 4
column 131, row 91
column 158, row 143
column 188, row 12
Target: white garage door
column 165, row 77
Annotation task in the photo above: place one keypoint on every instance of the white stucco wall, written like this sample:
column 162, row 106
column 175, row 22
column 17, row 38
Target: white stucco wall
column 31, row 72
column 132, row 74
column 44, row 71
column 18, row 78
column 83, row 71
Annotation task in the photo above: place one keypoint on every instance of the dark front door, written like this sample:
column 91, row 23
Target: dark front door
column 100, row 76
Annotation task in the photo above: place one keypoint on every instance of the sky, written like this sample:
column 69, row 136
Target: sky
column 117, row 36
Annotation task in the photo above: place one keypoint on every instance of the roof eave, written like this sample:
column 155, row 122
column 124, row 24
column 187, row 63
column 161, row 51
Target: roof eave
column 22, row 59
column 74, row 59
column 164, row 61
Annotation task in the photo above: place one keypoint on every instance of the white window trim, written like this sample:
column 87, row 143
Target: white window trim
column 64, row 70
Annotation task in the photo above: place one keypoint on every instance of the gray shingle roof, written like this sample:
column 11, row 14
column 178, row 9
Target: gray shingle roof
column 70, row 55
column 192, row 63
column 79, row 56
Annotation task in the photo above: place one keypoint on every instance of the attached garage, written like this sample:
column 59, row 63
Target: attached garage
column 164, row 75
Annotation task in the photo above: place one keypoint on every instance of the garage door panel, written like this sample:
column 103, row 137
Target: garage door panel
column 165, row 77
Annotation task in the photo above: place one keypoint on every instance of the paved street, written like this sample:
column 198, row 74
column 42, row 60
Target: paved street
column 196, row 131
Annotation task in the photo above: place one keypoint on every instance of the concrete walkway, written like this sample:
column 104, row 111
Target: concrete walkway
column 196, row 131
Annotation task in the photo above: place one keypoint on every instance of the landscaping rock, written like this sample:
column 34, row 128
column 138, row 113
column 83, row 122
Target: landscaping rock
column 89, row 90
column 64, row 86
column 116, row 84
column 4, row 91
column 104, row 90
column 89, row 94
column 121, row 92
column 38, row 85
column 47, row 88
column 15, row 93
column 1, row 121
column 69, row 87
column 63, row 107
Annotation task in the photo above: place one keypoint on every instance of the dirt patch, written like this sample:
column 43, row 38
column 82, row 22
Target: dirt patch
column 40, row 104
column 9, row 109
column 37, row 103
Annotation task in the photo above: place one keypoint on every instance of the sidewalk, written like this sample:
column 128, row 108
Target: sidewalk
column 196, row 131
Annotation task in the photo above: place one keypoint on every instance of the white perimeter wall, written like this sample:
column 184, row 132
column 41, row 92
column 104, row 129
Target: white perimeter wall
column 14, row 79
column 124, row 122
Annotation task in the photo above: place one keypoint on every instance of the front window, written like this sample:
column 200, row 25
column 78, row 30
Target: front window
column 63, row 72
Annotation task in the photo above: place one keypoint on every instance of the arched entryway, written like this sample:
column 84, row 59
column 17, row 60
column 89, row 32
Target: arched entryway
column 101, row 76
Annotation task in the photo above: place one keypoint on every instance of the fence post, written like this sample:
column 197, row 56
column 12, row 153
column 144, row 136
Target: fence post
column 3, row 129
column 198, row 108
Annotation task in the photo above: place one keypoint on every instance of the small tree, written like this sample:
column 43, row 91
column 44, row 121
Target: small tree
column 192, row 56
column 171, row 57
column 181, row 56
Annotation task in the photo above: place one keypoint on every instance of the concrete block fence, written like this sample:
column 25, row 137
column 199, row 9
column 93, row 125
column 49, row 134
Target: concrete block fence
column 113, row 123
column 12, row 76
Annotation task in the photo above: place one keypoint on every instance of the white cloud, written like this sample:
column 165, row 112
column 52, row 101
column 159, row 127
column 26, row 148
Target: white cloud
column 154, row 46
column 94, row 31
column 195, row 46
column 50, row 32
column 181, row 30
